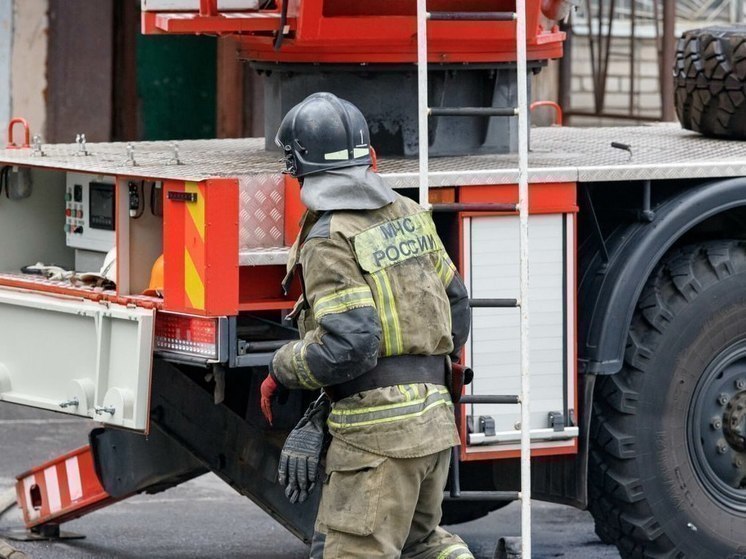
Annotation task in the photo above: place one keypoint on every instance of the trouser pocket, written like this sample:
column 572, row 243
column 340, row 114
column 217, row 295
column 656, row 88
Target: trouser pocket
column 352, row 491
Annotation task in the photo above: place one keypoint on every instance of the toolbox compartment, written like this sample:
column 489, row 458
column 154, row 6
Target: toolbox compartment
column 73, row 355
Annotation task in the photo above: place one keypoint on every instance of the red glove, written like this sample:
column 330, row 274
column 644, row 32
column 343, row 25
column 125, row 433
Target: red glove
column 268, row 389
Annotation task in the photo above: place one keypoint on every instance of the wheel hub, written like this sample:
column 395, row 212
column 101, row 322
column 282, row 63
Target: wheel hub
column 717, row 427
column 734, row 422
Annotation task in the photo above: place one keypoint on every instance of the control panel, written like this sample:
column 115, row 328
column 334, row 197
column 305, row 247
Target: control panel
column 90, row 211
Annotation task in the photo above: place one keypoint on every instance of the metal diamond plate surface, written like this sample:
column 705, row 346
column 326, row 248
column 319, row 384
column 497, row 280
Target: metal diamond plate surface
column 662, row 151
column 264, row 256
column 261, row 211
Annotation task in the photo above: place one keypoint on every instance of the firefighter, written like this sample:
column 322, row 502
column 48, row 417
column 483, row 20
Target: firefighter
column 382, row 310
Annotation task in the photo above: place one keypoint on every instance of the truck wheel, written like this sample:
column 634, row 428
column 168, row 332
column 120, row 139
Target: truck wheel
column 668, row 451
column 710, row 81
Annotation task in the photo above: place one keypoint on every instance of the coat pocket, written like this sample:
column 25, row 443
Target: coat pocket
column 352, row 491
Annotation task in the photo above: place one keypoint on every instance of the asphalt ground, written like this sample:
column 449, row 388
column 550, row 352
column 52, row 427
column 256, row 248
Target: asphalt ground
column 205, row 518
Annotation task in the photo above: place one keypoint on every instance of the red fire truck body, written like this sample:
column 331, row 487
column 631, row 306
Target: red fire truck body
column 636, row 263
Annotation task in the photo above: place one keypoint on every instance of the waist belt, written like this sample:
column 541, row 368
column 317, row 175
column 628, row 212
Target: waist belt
column 390, row 371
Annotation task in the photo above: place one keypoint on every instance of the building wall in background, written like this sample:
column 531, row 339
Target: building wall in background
column 632, row 44
column 6, row 37
column 80, row 70
column 630, row 89
column 544, row 87
column 28, row 83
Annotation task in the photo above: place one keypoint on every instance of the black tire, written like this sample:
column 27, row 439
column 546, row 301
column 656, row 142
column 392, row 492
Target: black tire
column 650, row 490
column 710, row 81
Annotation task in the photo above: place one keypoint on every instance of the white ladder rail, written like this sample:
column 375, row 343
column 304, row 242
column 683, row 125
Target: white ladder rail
column 523, row 210
column 422, row 107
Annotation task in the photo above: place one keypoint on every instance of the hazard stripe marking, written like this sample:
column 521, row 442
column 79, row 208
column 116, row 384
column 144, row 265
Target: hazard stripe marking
column 194, row 247
column 196, row 209
column 74, row 483
column 193, row 285
column 53, row 489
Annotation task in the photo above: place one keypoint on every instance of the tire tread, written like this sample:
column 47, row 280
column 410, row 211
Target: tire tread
column 710, row 81
column 616, row 499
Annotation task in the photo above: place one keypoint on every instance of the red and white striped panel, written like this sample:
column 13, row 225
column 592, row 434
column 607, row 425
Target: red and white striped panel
column 61, row 489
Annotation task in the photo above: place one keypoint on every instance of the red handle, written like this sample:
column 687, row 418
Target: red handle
column 26, row 137
column 557, row 110
column 374, row 158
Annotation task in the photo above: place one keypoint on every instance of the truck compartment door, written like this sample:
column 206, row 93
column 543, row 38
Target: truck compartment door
column 76, row 356
column 491, row 270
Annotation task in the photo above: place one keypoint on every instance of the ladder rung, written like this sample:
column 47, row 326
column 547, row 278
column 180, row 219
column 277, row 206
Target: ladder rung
column 472, row 111
column 493, row 303
column 472, row 16
column 482, row 496
column 484, row 399
column 488, row 207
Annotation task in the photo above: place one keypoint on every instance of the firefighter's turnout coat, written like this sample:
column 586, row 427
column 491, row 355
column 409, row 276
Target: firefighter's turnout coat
column 376, row 283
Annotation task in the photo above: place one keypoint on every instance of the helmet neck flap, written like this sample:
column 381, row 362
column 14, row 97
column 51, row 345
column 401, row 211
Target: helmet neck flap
column 350, row 188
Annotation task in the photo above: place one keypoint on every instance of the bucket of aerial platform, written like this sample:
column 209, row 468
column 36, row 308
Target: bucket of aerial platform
column 387, row 96
column 365, row 51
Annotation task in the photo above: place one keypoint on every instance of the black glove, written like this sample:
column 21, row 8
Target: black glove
column 300, row 456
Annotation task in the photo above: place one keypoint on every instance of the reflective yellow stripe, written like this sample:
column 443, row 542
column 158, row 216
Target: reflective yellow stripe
column 466, row 555
column 427, row 408
column 438, row 265
column 367, row 302
column 383, row 314
column 343, row 295
column 398, row 348
column 302, row 372
column 358, row 411
column 448, row 270
column 344, row 302
column 411, row 391
column 455, row 547
column 405, row 392
column 444, row 268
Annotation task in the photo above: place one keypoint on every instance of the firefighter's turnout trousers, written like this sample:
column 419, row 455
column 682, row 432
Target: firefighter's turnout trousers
column 379, row 288
column 376, row 506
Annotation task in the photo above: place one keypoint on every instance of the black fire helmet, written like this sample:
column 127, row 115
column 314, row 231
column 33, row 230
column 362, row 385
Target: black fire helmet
column 321, row 133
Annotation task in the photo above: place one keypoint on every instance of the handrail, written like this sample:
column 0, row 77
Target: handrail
column 26, row 137
column 558, row 115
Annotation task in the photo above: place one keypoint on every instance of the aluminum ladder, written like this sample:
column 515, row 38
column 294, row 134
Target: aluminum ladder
column 522, row 112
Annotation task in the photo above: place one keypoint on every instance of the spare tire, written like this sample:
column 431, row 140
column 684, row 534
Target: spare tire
column 710, row 81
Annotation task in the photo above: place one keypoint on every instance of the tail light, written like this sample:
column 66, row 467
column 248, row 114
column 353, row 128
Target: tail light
column 190, row 335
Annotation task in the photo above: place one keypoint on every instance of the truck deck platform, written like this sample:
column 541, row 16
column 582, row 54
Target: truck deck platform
column 558, row 154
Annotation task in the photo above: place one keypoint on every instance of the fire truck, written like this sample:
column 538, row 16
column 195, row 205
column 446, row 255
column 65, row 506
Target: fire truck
column 141, row 282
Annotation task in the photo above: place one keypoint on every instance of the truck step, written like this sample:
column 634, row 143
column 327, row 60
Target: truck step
column 473, row 111
column 493, row 303
column 471, row 16
column 482, row 496
column 487, row 399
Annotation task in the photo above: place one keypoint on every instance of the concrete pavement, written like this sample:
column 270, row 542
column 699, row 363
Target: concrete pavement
column 205, row 518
